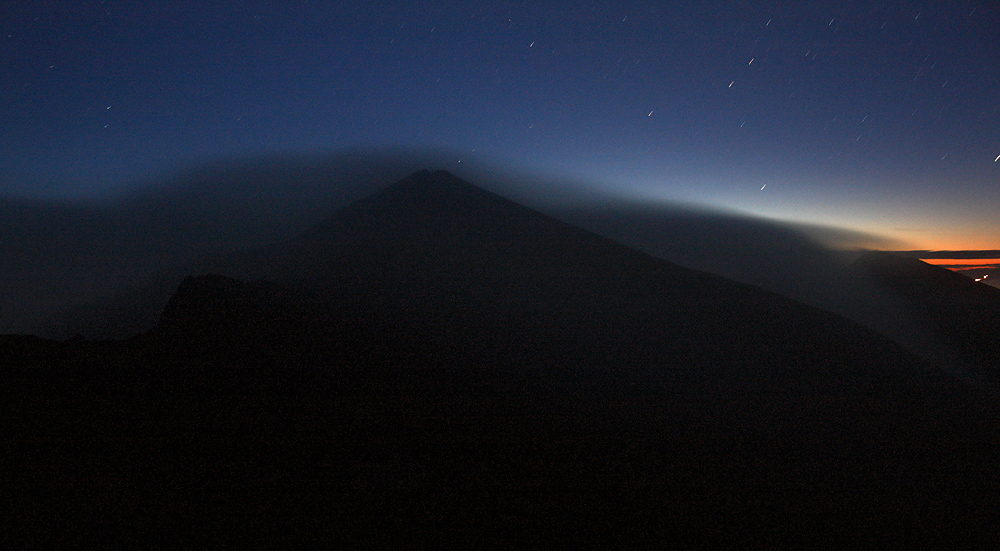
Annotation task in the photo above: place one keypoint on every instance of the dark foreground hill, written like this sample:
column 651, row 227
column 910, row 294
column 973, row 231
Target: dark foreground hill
column 436, row 365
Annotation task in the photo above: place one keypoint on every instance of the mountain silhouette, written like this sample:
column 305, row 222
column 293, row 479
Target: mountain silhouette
column 454, row 267
column 435, row 364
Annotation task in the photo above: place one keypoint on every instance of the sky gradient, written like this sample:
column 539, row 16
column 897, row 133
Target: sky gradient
column 880, row 117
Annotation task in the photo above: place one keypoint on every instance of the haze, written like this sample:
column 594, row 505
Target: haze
column 879, row 118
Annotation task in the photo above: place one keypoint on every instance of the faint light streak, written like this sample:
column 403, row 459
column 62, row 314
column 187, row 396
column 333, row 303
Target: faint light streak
column 650, row 114
column 997, row 159
column 762, row 187
column 751, row 60
column 732, row 83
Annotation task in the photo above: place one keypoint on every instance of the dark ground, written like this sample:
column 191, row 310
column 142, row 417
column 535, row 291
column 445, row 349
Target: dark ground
column 387, row 389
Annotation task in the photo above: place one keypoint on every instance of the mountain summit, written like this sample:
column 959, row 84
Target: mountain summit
column 462, row 274
column 437, row 364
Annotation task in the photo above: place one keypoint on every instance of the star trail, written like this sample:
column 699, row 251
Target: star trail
column 878, row 117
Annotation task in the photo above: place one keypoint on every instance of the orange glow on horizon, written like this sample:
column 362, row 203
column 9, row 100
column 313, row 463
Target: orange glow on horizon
column 962, row 264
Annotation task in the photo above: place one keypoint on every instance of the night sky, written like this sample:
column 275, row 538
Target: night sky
column 882, row 117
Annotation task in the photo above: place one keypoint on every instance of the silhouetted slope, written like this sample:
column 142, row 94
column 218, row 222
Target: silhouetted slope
column 437, row 366
column 458, row 268
column 964, row 314
column 792, row 260
column 768, row 254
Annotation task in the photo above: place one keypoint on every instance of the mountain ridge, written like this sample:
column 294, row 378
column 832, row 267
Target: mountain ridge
column 434, row 243
column 436, row 364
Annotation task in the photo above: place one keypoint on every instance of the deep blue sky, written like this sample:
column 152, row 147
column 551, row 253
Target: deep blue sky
column 878, row 116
